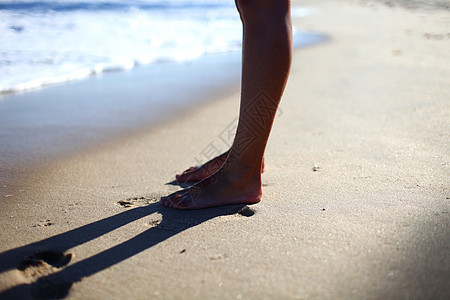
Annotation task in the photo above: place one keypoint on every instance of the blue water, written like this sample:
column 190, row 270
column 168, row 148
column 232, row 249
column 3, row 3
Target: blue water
column 46, row 42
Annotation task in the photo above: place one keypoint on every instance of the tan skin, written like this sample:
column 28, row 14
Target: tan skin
column 198, row 173
column 267, row 55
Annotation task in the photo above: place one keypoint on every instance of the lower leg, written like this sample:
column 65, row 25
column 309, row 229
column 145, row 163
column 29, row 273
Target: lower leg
column 267, row 57
column 267, row 52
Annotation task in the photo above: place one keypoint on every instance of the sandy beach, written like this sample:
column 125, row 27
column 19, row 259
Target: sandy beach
column 356, row 192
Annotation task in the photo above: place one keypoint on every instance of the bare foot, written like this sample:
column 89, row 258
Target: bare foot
column 198, row 173
column 227, row 186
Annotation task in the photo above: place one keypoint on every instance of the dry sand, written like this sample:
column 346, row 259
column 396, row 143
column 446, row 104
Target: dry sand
column 368, row 110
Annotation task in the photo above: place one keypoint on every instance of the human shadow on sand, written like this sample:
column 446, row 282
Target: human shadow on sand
column 52, row 250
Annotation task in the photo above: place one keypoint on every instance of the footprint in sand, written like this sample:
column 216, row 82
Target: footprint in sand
column 42, row 264
column 245, row 211
column 138, row 201
column 45, row 223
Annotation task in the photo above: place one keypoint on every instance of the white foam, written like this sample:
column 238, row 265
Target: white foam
column 40, row 47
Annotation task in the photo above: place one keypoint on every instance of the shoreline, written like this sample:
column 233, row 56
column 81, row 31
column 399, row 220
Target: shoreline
column 37, row 127
column 355, row 199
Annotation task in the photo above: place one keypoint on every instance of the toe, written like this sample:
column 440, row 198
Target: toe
column 174, row 199
column 177, row 198
column 164, row 200
column 190, row 170
column 182, row 178
column 186, row 175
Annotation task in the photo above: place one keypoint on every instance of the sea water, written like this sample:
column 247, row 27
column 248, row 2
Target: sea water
column 47, row 42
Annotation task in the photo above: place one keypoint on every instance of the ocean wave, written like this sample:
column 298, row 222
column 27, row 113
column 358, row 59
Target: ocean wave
column 49, row 42
column 65, row 6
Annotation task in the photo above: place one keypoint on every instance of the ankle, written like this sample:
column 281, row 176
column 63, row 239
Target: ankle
column 240, row 174
column 245, row 163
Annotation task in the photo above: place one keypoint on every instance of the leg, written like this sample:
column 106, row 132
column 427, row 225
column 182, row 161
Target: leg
column 267, row 53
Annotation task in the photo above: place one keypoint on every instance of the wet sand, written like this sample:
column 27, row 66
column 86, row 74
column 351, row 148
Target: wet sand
column 40, row 126
column 356, row 193
column 46, row 124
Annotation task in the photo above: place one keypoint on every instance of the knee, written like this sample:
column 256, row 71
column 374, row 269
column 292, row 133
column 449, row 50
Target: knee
column 262, row 9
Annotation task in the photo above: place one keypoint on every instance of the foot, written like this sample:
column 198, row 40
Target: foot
column 198, row 173
column 226, row 186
